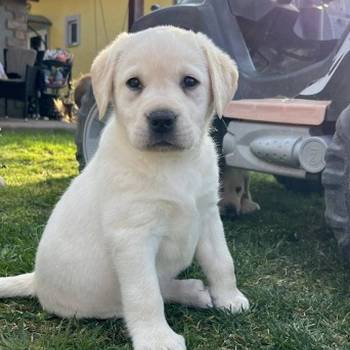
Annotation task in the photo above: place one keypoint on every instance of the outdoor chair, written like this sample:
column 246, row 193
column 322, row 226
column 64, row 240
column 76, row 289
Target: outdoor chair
column 21, row 79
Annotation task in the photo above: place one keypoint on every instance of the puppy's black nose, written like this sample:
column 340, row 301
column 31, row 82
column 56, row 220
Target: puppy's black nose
column 161, row 121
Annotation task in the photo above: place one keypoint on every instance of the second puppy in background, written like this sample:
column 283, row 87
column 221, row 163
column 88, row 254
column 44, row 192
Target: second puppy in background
column 236, row 198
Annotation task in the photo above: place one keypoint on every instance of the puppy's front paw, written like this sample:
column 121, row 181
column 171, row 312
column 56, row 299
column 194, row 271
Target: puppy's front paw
column 248, row 206
column 234, row 301
column 159, row 339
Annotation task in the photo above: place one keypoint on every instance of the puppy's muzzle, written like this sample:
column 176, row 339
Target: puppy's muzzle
column 229, row 211
column 161, row 121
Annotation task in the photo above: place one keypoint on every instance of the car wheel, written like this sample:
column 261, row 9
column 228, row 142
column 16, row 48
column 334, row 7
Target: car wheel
column 89, row 128
column 336, row 181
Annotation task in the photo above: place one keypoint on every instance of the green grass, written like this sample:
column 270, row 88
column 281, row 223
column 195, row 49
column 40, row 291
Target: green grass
column 286, row 262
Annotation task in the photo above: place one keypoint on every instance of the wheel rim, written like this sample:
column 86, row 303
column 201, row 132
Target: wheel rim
column 92, row 131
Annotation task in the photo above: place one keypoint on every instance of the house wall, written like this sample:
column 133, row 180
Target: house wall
column 100, row 22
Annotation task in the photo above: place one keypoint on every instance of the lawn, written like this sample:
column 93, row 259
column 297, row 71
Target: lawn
column 286, row 262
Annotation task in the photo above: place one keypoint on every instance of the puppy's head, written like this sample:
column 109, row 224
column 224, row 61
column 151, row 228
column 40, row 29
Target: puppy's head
column 234, row 189
column 165, row 84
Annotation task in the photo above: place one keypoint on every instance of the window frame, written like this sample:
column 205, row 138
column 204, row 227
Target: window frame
column 69, row 20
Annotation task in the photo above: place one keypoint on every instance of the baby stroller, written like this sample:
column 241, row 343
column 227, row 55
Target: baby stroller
column 56, row 75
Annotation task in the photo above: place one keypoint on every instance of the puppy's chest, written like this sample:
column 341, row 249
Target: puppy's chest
column 181, row 230
column 178, row 245
column 184, row 202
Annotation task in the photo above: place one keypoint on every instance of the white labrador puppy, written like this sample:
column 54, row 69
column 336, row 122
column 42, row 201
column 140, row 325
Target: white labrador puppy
column 146, row 204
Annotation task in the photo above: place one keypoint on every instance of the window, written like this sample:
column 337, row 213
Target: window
column 72, row 30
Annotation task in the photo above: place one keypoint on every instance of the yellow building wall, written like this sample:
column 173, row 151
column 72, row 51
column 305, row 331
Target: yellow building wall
column 100, row 22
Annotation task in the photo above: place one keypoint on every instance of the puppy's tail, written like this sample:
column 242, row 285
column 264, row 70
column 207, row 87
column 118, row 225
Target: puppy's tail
column 17, row 286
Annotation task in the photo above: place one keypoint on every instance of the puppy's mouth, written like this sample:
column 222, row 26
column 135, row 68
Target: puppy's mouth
column 164, row 142
column 172, row 142
column 164, row 146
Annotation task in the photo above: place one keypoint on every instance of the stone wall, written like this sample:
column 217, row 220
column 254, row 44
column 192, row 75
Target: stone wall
column 13, row 33
column 16, row 23
column 13, row 24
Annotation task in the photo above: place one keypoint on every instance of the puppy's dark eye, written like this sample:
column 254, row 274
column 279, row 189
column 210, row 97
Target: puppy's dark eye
column 189, row 82
column 134, row 84
column 238, row 189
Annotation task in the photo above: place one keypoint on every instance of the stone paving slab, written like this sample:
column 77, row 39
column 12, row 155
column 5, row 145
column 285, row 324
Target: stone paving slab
column 31, row 124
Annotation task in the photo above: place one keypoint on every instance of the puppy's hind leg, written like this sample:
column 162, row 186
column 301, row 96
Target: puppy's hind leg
column 191, row 292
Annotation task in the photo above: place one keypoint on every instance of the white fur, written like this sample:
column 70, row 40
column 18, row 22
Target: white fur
column 18, row 286
column 136, row 217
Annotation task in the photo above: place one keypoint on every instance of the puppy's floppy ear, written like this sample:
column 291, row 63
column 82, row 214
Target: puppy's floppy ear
column 103, row 71
column 223, row 74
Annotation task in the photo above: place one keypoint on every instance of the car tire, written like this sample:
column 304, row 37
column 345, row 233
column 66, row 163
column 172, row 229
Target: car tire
column 89, row 128
column 336, row 181
column 87, row 102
